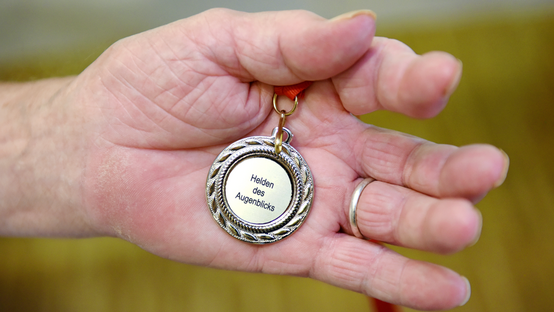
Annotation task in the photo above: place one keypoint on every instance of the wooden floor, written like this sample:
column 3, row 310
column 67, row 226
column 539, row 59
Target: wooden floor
column 506, row 98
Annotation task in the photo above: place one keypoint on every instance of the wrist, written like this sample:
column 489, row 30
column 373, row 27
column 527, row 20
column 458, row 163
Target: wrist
column 41, row 161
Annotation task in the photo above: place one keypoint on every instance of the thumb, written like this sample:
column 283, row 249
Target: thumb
column 281, row 48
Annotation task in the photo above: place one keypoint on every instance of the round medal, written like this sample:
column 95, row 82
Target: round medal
column 259, row 193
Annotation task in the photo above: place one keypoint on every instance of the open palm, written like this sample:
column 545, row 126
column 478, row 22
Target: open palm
column 161, row 105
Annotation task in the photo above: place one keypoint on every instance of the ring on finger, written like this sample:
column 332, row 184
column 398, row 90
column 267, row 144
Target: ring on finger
column 354, row 206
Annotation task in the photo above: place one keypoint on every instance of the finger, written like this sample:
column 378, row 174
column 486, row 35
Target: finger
column 279, row 48
column 391, row 76
column 434, row 169
column 376, row 271
column 399, row 216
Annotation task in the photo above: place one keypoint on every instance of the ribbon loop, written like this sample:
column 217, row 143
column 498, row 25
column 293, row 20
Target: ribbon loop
column 293, row 91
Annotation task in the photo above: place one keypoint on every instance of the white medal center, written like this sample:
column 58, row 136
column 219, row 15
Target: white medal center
column 258, row 190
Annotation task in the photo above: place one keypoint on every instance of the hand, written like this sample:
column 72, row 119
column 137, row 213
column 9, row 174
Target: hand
column 155, row 110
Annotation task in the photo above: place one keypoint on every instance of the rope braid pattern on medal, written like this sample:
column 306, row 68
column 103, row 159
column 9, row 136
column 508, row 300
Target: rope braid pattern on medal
column 296, row 92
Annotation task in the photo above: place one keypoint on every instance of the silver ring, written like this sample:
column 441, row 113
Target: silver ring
column 354, row 206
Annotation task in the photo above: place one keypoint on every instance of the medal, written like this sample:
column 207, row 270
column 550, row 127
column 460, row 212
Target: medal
column 260, row 189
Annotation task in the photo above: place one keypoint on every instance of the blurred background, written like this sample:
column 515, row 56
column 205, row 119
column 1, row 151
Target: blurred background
column 505, row 98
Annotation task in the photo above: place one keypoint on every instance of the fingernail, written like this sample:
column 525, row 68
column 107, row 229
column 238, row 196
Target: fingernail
column 480, row 228
column 504, row 170
column 454, row 84
column 352, row 14
column 468, row 291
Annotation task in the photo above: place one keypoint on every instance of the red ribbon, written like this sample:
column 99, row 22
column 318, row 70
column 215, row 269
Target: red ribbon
column 293, row 91
column 382, row 306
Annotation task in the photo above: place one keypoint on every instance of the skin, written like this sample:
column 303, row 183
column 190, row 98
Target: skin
column 124, row 148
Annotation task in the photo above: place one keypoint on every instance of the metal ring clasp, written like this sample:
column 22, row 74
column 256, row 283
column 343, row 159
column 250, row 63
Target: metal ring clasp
column 282, row 111
column 279, row 134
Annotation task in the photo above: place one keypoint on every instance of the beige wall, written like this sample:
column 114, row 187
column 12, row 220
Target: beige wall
column 31, row 28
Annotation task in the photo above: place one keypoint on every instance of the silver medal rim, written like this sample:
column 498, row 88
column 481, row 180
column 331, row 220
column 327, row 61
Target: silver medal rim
column 290, row 220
